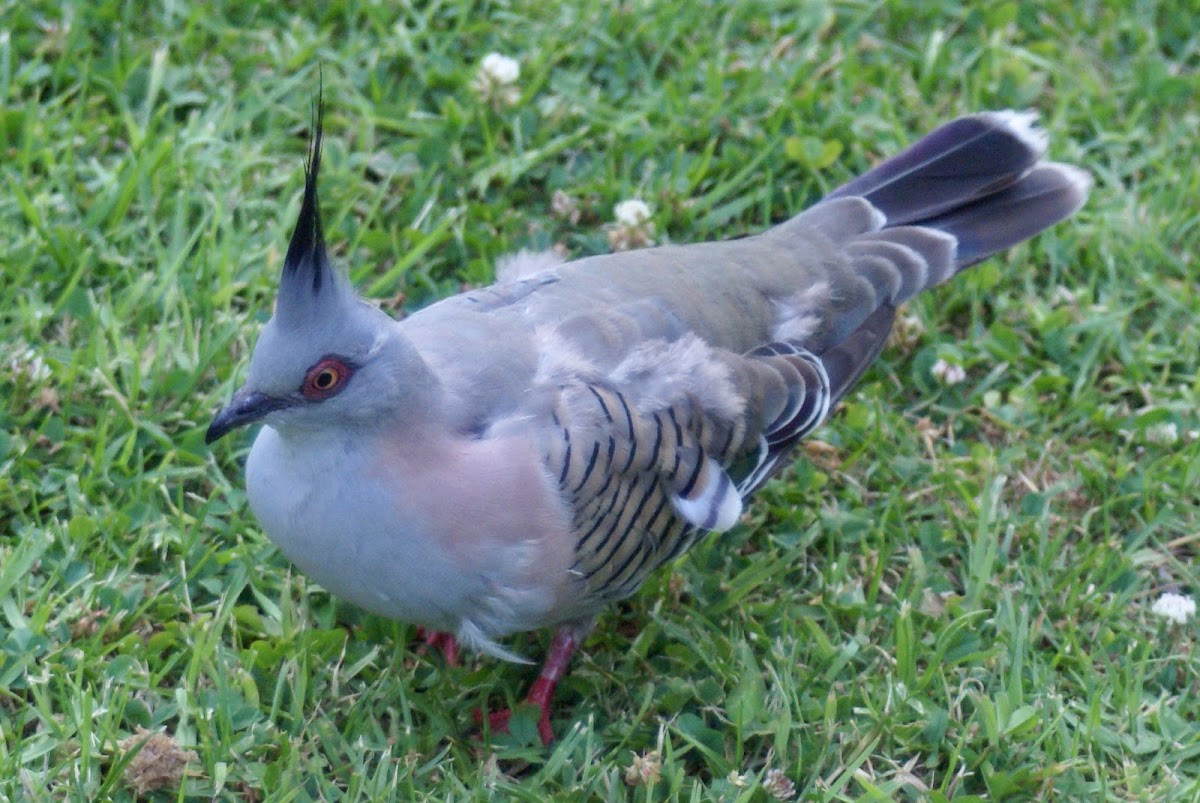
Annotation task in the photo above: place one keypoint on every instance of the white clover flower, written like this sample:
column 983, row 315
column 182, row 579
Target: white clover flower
column 948, row 373
column 906, row 332
column 645, row 770
column 28, row 363
column 500, row 69
column 633, row 212
column 1163, row 434
column 779, row 786
column 633, row 228
column 1175, row 607
column 496, row 79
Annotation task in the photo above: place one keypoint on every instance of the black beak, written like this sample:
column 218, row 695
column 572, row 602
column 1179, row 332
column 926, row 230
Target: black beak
column 245, row 407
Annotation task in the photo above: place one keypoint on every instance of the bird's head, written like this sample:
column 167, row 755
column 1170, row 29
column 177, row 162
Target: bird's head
column 326, row 357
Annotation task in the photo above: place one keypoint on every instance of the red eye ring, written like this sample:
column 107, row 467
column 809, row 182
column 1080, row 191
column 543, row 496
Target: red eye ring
column 327, row 378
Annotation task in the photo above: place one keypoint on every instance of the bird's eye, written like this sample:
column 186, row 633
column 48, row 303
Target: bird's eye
column 325, row 379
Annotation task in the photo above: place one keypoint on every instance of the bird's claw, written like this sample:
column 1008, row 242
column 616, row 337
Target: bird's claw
column 497, row 722
column 441, row 641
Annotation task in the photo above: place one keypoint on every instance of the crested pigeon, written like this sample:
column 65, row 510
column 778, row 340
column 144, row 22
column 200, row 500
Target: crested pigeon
column 517, row 456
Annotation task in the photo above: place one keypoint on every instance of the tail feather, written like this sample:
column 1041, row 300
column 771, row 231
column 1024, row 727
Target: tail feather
column 963, row 160
column 846, row 362
column 972, row 188
column 1047, row 194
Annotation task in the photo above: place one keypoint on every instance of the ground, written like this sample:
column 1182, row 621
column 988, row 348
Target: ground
column 951, row 593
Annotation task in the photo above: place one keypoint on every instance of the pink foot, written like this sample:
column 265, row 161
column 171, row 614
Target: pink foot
column 562, row 647
column 441, row 641
column 498, row 723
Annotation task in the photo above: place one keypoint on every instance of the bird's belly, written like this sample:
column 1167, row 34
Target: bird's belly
column 343, row 530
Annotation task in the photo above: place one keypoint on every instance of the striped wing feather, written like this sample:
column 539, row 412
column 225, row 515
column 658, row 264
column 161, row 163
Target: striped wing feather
column 624, row 470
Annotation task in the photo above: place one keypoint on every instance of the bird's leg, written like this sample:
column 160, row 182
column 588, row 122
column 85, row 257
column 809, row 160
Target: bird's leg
column 566, row 640
column 444, row 642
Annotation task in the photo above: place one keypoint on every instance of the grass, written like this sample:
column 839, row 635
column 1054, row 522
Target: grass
column 948, row 600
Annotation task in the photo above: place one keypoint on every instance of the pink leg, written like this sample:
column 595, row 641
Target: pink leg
column 562, row 647
column 445, row 642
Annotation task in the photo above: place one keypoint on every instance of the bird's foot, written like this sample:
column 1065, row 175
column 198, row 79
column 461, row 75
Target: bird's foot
column 444, row 642
column 498, row 722
column 562, row 647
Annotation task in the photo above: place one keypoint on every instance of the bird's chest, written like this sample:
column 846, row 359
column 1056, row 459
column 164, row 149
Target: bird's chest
column 343, row 522
column 434, row 537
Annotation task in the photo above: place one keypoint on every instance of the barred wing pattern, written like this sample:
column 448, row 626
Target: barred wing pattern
column 645, row 485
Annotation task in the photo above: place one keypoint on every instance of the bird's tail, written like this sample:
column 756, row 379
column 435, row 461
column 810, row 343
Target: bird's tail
column 969, row 189
column 979, row 179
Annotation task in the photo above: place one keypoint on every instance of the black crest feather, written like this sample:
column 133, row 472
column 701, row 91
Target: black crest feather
column 306, row 252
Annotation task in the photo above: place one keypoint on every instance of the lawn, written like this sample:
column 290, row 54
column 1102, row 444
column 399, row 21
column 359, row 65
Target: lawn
column 949, row 597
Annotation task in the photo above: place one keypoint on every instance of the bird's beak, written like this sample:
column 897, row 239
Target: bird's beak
column 245, row 406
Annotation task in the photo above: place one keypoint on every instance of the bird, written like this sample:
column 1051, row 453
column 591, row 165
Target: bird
column 519, row 456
